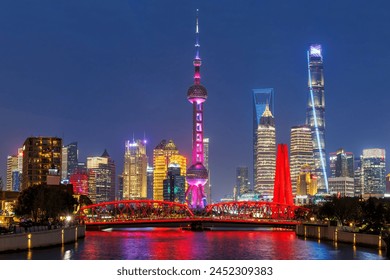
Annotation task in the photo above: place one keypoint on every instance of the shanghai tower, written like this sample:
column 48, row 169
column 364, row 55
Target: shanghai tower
column 315, row 113
column 197, row 174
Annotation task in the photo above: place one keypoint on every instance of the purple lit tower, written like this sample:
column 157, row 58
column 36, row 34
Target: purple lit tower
column 197, row 174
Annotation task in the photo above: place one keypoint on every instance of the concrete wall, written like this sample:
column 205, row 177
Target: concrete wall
column 24, row 241
column 334, row 234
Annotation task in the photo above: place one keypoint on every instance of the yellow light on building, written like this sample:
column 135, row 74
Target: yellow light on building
column 165, row 154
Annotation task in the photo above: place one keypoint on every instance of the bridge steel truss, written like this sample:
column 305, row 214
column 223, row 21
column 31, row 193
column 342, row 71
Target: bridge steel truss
column 253, row 210
column 157, row 213
column 132, row 210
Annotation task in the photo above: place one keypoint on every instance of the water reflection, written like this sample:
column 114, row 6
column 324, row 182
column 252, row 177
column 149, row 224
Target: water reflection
column 175, row 244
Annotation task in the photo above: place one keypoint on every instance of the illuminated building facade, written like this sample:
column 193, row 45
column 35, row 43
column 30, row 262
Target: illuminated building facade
column 387, row 193
column 341, row 164
column 197, row 174
column 70, row 160
column 315, row 113
column 374, row 172
column 40, row 154
column 101, row 178
column 165, row 154
column 149, row 179
column 306, row 183
column 341, row 186
column 242, row 180
column 12, row 166
column 261, row 97
column 119, row 188
column 266, row 155
column 301, row 153
column 134, row 170
column 249, row 196
column 174, row 185
column 79, row 180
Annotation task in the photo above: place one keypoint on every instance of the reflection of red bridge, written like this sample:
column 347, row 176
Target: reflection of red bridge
column 149, row 213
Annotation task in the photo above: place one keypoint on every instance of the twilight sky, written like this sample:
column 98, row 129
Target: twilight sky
column 97, row 72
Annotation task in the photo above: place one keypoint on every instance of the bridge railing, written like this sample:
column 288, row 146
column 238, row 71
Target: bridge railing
column 253, row 210
column 135, row 210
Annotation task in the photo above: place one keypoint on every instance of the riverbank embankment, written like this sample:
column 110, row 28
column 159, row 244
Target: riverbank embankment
column 336, row 234
column 46, row 238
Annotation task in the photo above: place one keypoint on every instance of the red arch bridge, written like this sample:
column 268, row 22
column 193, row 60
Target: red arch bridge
column 150, row 213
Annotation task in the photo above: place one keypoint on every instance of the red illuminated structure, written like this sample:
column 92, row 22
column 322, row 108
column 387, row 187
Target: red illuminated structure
column 157, row 213
column 282, row 186
column 197, row 174
column 79, row 180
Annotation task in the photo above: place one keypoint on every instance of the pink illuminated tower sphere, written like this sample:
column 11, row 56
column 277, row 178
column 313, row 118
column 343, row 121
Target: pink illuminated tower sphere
column 197, row 174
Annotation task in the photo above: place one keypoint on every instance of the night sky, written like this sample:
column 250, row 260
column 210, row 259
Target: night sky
column 97, row 72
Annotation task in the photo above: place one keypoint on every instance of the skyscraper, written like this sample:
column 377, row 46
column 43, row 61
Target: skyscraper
column 341, row 186
column 79, row 181
column 174, row 185
column 69, row 160
column 242, row 180
column 387, row 193
column 301, row 153
column 101, row 178
column 315, row 113
column 197, row 174
column 374, row 172
column 149, row 179
column 40, row 154
column 165, row 154
column 341, row 164
column 134, row 170
column 12, row 165
column 358, row 177
column 306, row 182
column 266, row 155
column 261, row 97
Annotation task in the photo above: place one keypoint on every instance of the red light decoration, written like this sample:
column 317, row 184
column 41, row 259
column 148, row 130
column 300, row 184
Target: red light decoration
column 282, row 185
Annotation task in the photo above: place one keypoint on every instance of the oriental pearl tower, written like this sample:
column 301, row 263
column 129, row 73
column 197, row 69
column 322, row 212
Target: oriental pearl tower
column 197, row 174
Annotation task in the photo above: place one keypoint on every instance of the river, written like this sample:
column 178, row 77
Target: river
column 176, row 244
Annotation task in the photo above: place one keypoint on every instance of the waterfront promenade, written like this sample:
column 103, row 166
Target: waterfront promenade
column 38, row 237
column 337, row 234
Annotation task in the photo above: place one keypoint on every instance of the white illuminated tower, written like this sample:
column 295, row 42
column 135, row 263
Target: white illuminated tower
column 301, row 153
column 315, row 113
column 266, row 155
column 135, row 170
column 197, row 174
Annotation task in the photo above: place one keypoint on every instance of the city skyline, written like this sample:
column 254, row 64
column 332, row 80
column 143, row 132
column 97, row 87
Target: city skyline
column 75, row 70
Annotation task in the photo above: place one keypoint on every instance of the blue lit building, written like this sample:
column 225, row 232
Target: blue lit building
column 174, row 185
column 16, row 176
column 69, row 160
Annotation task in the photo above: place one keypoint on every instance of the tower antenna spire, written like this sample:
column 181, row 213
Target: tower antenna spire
column 197, row 174
column 197, row 45
column 197, row 61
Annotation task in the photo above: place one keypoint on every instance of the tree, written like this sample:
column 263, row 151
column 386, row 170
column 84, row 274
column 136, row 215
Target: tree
column 42, row 201
column 374, row 215
column 343, row 210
